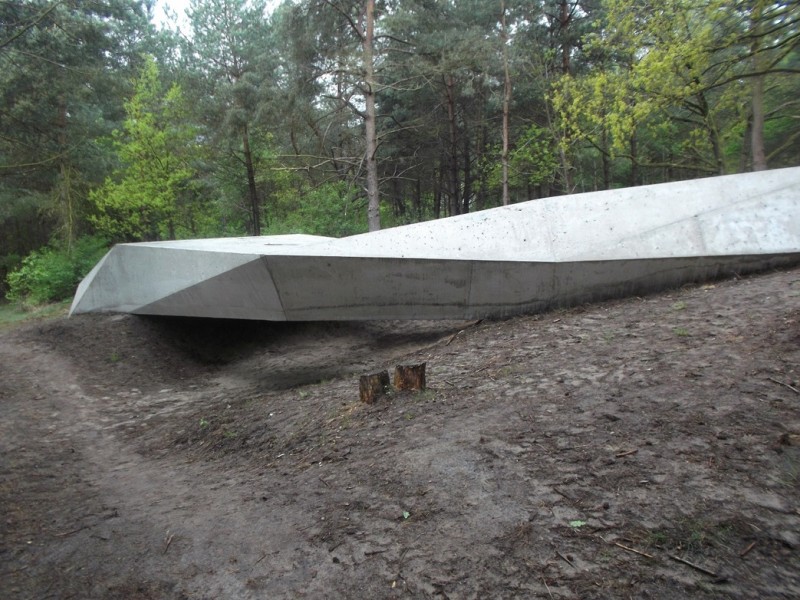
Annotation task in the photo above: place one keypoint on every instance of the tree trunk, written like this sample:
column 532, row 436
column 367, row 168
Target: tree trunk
column 455, row 198
column 371, row 387
column 712, row 132
column 398, row 204
column 757, row 125
column 604, row 155
column 255, row 208
column 467, row 195
column 480, row 147
column 418, row 199
column 566, row 171
column 65, row 195
column 745, row 157
column 566, row 49
column 370, row 126
column 409, row 377
column 716, row 144
column 757, row 102
column 506, row 100
column 438, row 184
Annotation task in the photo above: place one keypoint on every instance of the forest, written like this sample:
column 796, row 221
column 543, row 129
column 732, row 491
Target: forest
column 335, row 117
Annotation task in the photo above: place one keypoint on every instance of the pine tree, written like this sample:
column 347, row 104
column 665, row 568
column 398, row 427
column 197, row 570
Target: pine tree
column 156, row 148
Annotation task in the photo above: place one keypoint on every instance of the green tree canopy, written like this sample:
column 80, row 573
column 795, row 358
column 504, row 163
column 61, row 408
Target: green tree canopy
column 156, row 148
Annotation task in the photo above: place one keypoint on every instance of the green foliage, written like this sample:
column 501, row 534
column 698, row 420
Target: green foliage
column 12, row 314
column 142, row 200
column 278, row 188
column 9, row 262
column 231, row 83
column 531, row 162
column 266, row 128
column 45, row 275
column 684, row 67
column 52, row 273
column 65, row 71
column 331, row 209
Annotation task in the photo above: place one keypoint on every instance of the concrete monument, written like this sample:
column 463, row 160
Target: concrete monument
column 522, row 258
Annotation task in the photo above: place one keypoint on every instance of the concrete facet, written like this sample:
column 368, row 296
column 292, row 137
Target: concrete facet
column 522, row 258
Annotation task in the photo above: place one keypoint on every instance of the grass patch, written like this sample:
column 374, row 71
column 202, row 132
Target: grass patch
column 693, row 536
column 13, row 314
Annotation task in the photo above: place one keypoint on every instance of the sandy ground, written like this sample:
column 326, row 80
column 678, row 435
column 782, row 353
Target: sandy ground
column 645, row 448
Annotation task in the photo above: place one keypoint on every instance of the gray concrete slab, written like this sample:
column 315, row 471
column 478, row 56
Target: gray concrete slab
column 521, row 258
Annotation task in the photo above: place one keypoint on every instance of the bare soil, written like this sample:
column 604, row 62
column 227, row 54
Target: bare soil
column 645, row 448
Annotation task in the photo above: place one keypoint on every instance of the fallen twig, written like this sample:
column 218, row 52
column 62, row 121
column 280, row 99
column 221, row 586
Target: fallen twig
column 452, row 337
column 100, row 517
column 565, row 559
column 567, row 496
column 791, row 387
column 167, row 542
column 66, row 533
column 457, row 333
column 694, row 566
column 547, row 587
column 634, row 550
column 626, row 453
column 263, row 556
column 22, row 568
column 745, row 552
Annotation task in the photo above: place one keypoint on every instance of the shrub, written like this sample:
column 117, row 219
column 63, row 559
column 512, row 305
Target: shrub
column 52, row 273
column 331, row 209
column 8, row 263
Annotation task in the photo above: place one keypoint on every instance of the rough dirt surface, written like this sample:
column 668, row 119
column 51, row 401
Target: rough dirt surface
column 645, row 448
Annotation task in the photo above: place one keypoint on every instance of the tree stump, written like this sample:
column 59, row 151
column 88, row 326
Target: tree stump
column 409, row 377
column 372, row 387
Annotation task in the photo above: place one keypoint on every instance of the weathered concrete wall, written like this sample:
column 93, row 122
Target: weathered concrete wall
column 521, row 258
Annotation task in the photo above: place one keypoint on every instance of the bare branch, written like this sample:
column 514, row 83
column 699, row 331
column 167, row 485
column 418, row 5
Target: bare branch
column 358, row 30
column 38, row 19
column 789, row 142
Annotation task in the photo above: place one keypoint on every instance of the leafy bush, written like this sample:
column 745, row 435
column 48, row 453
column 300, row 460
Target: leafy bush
column 532, row 162
column 8, row 263
column 52, row 273
column 331, row 209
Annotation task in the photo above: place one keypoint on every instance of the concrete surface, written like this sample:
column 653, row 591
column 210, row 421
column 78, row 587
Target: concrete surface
column 522, row 258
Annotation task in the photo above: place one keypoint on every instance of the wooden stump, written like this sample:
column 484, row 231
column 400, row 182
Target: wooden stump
column 409, row 377
column 372, row 387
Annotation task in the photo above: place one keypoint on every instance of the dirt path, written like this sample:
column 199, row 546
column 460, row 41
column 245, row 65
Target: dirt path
column 640, row 448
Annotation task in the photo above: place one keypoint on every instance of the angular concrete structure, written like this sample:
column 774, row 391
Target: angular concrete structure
column 522, row 258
